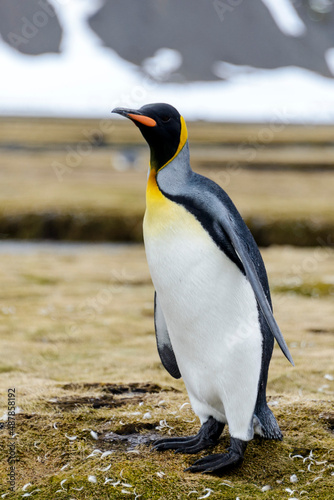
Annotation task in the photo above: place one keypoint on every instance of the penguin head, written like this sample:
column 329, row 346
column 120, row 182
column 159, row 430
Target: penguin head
column 163, row 128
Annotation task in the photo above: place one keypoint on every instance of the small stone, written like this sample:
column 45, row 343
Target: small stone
column 293, row 478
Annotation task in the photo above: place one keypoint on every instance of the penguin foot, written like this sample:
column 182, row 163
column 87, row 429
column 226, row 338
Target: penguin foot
column 207, row 436
column 220, row 463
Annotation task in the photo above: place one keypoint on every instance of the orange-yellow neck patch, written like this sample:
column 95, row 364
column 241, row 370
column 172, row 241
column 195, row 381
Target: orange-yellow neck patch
column 153, row 193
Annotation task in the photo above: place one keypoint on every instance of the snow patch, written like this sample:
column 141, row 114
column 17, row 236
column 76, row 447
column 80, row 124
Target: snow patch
column 89, row 80
column 286, row 17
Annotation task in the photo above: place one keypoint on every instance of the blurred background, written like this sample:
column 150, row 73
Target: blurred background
column 254, row 80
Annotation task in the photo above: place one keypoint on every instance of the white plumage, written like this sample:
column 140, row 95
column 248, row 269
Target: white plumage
column 211, row 315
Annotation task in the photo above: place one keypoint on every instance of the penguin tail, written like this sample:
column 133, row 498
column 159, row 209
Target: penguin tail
column 265, row 424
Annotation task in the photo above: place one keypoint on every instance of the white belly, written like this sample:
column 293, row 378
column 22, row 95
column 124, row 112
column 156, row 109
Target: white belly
column 212, row 318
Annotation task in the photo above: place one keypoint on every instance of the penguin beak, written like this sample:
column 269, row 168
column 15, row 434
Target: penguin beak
column 136, row 116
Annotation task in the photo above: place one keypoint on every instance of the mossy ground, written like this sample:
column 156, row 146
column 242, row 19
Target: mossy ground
column 76, row 320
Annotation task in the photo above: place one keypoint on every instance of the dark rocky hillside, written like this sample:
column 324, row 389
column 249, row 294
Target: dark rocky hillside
column 237, row 32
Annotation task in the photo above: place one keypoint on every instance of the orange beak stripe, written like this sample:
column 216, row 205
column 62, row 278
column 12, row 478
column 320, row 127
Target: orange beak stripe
column 145, row 120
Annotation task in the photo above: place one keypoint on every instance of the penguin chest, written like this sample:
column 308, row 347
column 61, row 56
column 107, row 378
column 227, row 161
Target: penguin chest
column 210, row 311
column 205, row 298
column 174, row 243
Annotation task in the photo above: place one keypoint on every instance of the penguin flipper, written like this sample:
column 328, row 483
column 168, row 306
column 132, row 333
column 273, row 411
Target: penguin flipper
column 240, row 247
column 164, row 344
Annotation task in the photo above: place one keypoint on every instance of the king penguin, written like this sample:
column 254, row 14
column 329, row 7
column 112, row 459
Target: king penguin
column 212, row 310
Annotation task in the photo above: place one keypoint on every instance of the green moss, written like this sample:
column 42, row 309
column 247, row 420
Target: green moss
column 4, row 368
column 48, row 457
column 318, row 289
column 40, row 280
column 73, row 224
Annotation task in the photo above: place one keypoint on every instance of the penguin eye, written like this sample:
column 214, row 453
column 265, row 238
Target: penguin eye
column 165, row 118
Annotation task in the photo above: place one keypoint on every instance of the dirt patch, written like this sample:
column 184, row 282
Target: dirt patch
column 135, row 387
column 328, row 419
column 109, row 398
column 106, row 401
column 129, row 436
column 321, row 331
column 133, row 428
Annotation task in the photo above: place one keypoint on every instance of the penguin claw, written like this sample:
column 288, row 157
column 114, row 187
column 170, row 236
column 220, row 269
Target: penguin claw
column 216, row 464
column 192, row 444
column 195, row 448
column 207, row 436
column 174, row 439
column 179, row 445
column 220, row 463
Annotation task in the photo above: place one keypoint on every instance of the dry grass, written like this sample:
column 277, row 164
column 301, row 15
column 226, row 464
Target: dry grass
column 29, row 183
column 69, row 179
column 84, row 317
column 41, row 131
